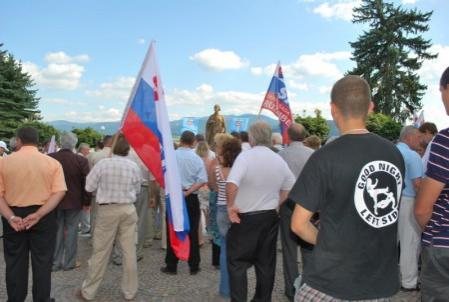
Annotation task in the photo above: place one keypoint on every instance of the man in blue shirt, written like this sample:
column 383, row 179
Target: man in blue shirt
column 432, row 212
column 193, row 176
column 409, row 233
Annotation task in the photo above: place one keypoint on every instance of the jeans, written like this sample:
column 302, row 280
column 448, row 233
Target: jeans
column 223, row 227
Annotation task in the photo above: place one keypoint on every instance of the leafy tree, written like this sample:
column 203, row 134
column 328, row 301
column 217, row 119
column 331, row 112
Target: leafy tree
column 316, row 125
column 389, row 54
column 18, row 101
column 46, row 131
column 384, row 125
column 87, row 135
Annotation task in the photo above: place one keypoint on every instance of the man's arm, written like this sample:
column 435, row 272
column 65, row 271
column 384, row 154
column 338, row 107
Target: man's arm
column 427, row 196
column 195, row 187
column 417, row 184
column 51, row 203
column 231, row 193
column 302, row 226
column 15, row 222
column 283, row 194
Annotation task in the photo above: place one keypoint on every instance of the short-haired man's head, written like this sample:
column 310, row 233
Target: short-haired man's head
column 444, row 80
column 352, row 96
column 187, row 138
column 428, row 127
column 231, row 149
column 260, row 134
column 199, row 138
column 121, row 146
column 28, row 135
column 84, row 148
column 68, row 140
column 313, row 142
column 410, row 136
column 244, row 136
column 276, row 138
column 296, row 132
column 107, row 141
column 235, row 134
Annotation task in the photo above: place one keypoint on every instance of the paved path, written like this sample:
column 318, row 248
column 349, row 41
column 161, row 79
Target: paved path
column 155, row 286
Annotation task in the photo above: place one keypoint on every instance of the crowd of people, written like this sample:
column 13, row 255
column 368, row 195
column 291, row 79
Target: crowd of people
column 368, row 216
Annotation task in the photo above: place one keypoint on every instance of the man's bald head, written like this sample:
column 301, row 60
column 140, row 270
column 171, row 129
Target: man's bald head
column 296, row 132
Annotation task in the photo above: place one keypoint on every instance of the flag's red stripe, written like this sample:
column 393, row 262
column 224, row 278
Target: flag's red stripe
column 181, row 248
column 145, row 143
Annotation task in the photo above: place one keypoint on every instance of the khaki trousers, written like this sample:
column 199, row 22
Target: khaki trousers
column 113, row 221
column 409, row 235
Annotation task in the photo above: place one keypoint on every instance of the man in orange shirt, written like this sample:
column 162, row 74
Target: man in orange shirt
column 31, row 186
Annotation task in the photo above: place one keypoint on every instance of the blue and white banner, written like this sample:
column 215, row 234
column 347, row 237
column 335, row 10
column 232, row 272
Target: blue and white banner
column 239, row 124
column 189, row 123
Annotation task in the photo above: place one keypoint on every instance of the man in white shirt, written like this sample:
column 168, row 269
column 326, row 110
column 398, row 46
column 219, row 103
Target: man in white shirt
column 258, row 183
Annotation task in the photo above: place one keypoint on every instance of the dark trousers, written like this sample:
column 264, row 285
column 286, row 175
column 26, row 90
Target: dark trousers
column 215, row 254
column 252, row 242
column 289, row 243
column 193, row 210
column 40, row 242
column 435, row 274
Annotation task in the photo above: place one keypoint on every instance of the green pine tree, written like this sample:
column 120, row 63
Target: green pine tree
column 18, row 101
column 390, row 53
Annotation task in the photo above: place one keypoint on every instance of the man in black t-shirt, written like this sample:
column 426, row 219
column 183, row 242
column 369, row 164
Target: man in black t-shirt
column 355, row 183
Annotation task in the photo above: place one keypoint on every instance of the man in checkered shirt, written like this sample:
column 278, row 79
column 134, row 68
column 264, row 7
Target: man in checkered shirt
column 117, row 181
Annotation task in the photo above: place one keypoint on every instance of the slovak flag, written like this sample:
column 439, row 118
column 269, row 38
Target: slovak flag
column 276, row 101
column 146, row 126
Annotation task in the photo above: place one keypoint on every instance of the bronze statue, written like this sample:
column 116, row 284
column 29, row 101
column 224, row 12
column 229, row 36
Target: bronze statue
column 215, row 124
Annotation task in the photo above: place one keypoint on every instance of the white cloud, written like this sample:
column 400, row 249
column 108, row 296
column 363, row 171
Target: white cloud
column 431, row 70
column 58, row 76
column 257, row 71
column 409, row 1
column 120, row 89
column 66, row 103
column 103, row 115
column 200, row 102
column 218, row 60
column 341, row 10
column 141, row 41
column 325, row 89
column 61, row 57
column 296, row 85
column 320, row 64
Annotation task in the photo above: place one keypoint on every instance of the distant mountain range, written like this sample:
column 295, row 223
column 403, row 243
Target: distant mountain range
column 111, row 127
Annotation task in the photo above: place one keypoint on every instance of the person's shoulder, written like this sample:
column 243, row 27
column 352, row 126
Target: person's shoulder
column 80, row 158
column 442, row 138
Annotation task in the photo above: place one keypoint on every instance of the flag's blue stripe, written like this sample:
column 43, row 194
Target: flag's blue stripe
column 144, row 106
column 181, row 235
column 275, row 87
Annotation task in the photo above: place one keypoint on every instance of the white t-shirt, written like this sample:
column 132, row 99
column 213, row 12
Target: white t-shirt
column 260, row 175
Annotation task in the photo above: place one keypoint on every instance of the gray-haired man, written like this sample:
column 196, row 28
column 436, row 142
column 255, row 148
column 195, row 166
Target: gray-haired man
column 258, row 182
column 68, row 213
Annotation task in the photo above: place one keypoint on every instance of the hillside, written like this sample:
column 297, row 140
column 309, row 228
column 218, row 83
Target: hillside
column 111, row 127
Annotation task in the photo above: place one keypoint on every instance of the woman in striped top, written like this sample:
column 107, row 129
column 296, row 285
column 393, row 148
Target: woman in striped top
column 230, row 150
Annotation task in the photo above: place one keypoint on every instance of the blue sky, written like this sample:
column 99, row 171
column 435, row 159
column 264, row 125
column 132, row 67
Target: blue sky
column 84, row 55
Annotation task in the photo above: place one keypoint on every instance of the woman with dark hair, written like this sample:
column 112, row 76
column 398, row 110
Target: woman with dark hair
column 230, row 150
